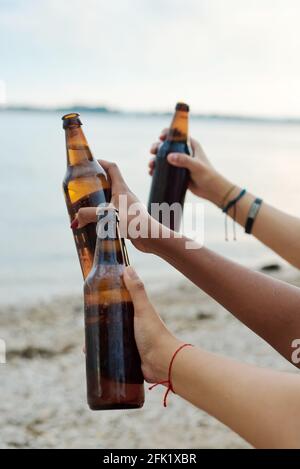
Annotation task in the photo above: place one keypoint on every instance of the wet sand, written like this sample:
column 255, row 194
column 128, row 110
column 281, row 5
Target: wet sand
column 43, row 400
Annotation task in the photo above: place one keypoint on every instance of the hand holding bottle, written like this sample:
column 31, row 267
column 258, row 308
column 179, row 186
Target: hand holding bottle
column 205, row 181
column 113, row 365
column 155, row 343
column 119, row 188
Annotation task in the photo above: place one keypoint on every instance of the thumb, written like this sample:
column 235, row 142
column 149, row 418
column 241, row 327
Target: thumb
column 115, row 175
column 137, row 291
column 183, row 161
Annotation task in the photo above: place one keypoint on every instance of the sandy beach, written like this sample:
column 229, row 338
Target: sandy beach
column 43, row 401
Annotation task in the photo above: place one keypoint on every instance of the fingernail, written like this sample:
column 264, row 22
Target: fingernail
column 74, row 224
column 131, row 272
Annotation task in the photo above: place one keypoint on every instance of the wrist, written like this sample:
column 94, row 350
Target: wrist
column 218, row 188
column 155, row 233
column 162, row 354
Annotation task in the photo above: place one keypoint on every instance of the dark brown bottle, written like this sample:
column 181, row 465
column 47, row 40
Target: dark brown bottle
column 85, row 185
column 113, row 365
column 169, row 183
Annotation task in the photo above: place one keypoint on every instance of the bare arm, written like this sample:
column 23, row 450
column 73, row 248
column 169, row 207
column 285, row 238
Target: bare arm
column 269, row 307
column 258, row 404
column 276, row 229
column 261, row 405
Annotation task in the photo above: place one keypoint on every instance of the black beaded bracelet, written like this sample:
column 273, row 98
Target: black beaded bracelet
column 252, row 214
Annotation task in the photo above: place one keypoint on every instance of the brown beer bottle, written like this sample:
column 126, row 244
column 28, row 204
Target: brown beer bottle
column 113, row 366
column 169, row 183
column 85, row 185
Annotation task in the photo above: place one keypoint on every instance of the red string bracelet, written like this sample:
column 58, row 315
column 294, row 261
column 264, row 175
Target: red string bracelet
column 169, row 381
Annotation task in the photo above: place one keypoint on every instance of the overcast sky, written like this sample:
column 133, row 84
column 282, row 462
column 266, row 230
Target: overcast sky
column 238, row 56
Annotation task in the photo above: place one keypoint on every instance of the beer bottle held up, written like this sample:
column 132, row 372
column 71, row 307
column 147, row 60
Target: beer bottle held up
column 85, row 185
column 169, row 183
column 113, row 365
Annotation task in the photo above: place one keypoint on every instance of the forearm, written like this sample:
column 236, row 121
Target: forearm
column 260, row 405
column 276, row 229
column 280, row 232
column 268, row 306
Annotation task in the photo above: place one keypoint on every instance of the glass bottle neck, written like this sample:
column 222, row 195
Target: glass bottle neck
column 109, row 248
column 178, row 131
column 78, row 150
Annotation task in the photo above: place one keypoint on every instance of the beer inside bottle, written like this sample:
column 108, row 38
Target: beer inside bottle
column 169, row 183
column 85, row 185
column 113, row 366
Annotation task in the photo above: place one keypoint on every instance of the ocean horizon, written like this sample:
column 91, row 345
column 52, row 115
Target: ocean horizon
column 213, row 115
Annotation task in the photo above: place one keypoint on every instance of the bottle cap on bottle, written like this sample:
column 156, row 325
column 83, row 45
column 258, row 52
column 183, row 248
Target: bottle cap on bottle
column 182, row 107
column 71, row 119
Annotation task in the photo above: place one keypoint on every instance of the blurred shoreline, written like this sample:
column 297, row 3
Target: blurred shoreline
column 206, row 116
column 43, row 401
